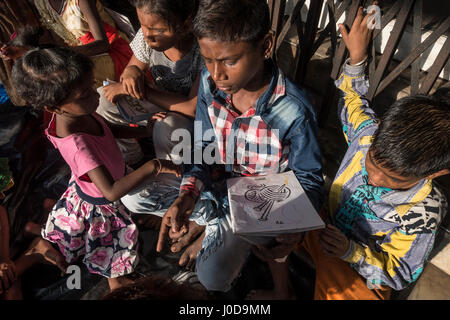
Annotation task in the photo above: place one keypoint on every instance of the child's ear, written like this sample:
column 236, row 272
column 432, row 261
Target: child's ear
column 267, row 45
column 187, row 26
column 52, row 109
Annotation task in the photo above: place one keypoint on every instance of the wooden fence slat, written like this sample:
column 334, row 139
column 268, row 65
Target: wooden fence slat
column 390, row 47
column 288, row 24
column 277, row 18
column 414, row 54
column 307, row 42
column 416, row 40
column 436, row 68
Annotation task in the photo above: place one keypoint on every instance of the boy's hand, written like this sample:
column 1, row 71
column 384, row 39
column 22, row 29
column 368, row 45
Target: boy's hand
column 169, row 167
column 357, row 40
column 112, row 91
column 176, row 218
column 285, row 244
column 133, row 81
column 151, row 122
column 7, row 275
column 333, row 241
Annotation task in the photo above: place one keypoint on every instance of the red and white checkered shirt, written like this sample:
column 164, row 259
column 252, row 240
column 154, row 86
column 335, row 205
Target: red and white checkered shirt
column 245, row 141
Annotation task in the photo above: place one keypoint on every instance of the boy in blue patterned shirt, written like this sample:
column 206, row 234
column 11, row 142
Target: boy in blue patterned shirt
column 383, row 206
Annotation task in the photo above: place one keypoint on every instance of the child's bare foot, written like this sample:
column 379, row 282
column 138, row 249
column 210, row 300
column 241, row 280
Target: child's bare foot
column 269, row 295
column 189, row 256
column 45, row 253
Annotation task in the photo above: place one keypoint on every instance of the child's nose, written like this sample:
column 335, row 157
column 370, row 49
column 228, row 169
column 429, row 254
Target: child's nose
column 218, row 72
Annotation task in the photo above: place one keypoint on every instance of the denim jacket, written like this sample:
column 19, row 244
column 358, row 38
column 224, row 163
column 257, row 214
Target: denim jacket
column 277, row 134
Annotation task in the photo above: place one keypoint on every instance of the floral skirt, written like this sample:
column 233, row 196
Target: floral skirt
column 95, row 228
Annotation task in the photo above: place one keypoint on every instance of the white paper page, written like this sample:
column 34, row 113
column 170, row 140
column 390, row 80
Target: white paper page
column 270, row 204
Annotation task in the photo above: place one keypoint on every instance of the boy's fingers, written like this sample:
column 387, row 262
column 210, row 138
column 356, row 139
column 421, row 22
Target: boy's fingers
column 367, row 17
column 329, row 239
column 136, row 92
column 163, row 230
column 6, row 281
column 359, row 17
column 344, row 32
column 140, row 87
column 11, row 275
column 326, row 247
column 13, row 270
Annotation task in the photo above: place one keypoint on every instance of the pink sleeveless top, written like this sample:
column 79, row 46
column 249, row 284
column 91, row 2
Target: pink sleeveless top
column 84, row 152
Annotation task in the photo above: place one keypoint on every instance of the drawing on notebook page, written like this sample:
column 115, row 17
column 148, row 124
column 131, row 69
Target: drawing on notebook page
column 267, row 196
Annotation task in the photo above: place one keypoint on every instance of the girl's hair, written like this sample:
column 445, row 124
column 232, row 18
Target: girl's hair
column 175, row 12
column 232, row 20
column 46, row 77
column 28, row 36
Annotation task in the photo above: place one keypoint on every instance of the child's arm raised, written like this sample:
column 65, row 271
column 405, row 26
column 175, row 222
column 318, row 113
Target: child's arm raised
column 354, row 111
column 114, row 190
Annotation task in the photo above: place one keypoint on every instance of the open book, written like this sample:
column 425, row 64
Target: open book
column 136, row 111
column 270, row 205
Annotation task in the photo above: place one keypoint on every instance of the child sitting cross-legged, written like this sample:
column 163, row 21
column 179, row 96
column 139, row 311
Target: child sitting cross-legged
column 88, row 220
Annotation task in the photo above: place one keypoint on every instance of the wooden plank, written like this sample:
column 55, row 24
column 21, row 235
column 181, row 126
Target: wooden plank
column 337, row 62
column 295, row 14
column 312, row 22
column 340, row 52
column 416, row 40
column 414, row 54
column 277, row 16
column 390, row 47
column 270, row 4
column 436, row 68
column 330, row 30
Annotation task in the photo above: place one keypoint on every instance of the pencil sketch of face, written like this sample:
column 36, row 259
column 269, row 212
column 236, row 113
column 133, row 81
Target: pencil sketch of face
column 267, row 196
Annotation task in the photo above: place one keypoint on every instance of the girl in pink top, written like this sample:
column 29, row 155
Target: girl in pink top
column 88, row 220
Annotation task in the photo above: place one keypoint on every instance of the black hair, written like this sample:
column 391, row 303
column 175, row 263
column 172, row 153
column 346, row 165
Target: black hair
column 175, row 12
column 413, row 138
column 232, row 20
column 46, row 77
column 157, row 287
column 28, row 36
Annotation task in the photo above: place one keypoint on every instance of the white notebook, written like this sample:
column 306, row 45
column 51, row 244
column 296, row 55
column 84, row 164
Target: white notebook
column 270, row 205
column 136, row 111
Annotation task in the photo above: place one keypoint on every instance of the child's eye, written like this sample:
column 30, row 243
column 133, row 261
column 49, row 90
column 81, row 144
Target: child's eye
column 230, row 62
